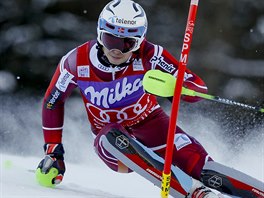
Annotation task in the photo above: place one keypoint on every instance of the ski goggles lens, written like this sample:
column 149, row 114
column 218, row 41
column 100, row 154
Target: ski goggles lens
column 125, row 44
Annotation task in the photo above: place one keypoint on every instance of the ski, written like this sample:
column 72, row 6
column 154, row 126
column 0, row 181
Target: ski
column 149, row 165
column 236, row 183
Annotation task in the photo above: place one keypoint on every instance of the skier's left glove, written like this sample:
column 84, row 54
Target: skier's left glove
column 51, row 169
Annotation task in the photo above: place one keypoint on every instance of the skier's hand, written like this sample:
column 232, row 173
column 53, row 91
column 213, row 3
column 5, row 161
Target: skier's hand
column 51, row 169
column 192, row 86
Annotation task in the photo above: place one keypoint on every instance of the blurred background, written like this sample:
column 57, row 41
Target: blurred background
column 227, row 52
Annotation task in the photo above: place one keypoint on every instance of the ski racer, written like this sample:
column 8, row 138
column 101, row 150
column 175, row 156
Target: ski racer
column 108, row 72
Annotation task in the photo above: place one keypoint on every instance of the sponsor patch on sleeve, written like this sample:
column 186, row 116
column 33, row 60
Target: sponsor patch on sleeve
column 159, row 60
column 64, row 80
column 84, row 71
column 54, row 96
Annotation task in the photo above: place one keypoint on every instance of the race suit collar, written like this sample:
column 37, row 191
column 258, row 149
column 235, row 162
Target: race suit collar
column 99, row 64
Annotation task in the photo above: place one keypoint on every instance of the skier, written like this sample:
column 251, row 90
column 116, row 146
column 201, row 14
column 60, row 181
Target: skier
column 108, row 72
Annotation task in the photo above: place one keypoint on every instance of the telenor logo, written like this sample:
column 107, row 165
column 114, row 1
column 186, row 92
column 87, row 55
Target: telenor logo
column 115, row 19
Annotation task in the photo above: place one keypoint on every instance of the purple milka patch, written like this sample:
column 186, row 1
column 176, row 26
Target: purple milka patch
column 118, row 93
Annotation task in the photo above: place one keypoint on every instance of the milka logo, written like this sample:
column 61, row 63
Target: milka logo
column 115, row 19
column 163, row 64
column 111, row 95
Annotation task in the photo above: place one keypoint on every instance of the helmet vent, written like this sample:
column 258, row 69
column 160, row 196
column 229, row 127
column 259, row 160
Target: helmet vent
column 135, row 7
column 109, row 9
column 116, row 4
column 141, row 11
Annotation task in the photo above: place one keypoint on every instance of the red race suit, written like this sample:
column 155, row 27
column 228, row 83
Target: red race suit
column 116, row 95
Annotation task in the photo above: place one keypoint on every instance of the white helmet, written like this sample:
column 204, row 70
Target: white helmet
column 122, row 25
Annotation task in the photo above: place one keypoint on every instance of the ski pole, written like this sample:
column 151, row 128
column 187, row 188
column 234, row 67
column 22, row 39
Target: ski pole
column 166, row 174
column 189, row 92
column 163, row 84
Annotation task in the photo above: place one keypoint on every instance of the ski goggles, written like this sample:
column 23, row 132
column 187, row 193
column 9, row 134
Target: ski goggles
column 123, row 44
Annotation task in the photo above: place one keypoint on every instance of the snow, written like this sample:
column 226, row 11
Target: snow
column 83, row 180
column 86, row 176
column 80, row 181
column 7, row 82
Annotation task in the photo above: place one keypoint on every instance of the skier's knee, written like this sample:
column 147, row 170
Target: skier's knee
column 111, row 161
column 188, row 155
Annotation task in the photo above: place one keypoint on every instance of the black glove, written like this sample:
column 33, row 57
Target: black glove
column 51, row 169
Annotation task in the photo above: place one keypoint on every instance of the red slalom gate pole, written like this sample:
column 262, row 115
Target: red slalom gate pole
column 166, row 175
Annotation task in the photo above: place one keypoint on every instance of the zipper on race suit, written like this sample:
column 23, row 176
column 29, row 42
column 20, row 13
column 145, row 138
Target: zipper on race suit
column 113, row 72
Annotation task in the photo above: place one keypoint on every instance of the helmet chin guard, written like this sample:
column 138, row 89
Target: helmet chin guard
column 123, row 19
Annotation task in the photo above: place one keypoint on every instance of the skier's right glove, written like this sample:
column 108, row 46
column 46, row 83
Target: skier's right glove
column 51, row 169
